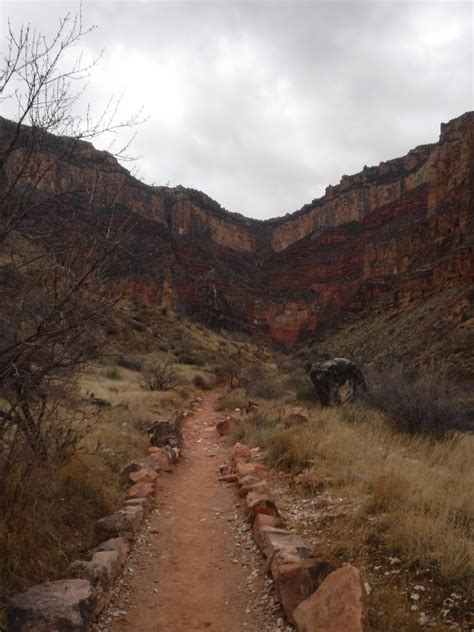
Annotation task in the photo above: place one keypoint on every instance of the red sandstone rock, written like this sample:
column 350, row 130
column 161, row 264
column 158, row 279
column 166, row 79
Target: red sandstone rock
column 279, row 539
column 141, row 490
column 295, row 582
column 261, row 533
column 251, row 469
column 339, row 604
column 254, row 497
column 265, row 520
column 262, row 505
column 240, row 452
column 145, row 475
column 251, row 484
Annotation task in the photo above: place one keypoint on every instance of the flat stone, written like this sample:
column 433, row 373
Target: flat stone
column 338, row 604
column 144, row 503
column 265, row 520
column 262, row 505
column 120, row 545
column 261, row 534
column 253, row 498
column 295, row 582
column 141, row 490
column 277, row 539
column 60, row 606
column 125, row 521
column 251, row 469
column 145, row 475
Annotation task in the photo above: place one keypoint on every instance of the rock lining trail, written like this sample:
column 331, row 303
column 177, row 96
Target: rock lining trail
column 195, row 566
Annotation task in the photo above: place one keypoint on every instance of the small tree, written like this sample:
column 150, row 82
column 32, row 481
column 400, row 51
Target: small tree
column 54, row 248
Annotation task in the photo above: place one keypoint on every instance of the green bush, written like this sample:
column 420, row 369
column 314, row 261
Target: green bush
column 306, row 393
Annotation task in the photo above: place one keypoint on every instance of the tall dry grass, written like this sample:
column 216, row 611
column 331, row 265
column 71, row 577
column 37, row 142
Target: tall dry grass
column 419, row 490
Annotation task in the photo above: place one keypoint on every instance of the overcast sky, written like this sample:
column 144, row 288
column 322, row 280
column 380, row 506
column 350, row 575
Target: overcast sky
column 261, row 105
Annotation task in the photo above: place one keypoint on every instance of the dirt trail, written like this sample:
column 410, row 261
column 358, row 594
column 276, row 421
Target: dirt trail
column 187, row 574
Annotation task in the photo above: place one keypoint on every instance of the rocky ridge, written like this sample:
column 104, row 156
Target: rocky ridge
column 388, row 237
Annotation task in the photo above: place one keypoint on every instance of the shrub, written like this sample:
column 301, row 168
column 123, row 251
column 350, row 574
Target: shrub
column 306, row 393
column 235, row 398
column 113, row 373
column 129, row 362
column 200, row 382
column 191, row 358
column 425, row 403
column 160, row 376
column 260, row 383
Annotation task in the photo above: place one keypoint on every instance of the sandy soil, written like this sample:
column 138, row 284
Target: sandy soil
column 189, row 574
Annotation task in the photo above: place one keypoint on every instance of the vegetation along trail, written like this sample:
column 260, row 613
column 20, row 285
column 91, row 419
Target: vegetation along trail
column 188, row 573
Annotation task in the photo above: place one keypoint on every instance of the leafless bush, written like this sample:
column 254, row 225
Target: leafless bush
column 258, row 382
column 160, row 376
column 428, row 402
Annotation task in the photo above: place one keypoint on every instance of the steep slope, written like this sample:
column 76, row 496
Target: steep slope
column 389, row 237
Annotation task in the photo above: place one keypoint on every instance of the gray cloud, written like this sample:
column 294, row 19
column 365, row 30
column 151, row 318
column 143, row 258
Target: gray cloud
column 262, row 105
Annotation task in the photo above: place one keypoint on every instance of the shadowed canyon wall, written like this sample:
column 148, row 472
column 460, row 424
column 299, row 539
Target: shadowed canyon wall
column 401, row 231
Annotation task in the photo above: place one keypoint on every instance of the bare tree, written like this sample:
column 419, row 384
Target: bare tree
column 54, row 247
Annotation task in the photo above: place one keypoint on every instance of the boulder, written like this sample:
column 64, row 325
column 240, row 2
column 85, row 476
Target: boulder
column 66, row 605
column 338, row 604
column 336, row 381
column 124, row 522
column 166, row 433
column 296, row 581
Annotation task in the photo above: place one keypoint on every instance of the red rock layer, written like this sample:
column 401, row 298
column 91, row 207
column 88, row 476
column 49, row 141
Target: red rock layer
column 402, row 230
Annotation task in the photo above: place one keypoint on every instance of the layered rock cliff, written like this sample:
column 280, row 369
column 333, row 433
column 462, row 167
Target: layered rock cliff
column 390, row 236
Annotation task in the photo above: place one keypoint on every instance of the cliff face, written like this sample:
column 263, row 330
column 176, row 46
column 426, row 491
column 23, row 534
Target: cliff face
column 395, row 234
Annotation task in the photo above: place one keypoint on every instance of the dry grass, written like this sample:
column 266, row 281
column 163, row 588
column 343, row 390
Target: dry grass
column 419, row 491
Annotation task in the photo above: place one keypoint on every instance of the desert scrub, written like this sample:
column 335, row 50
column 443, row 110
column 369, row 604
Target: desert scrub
column 232, row 399
column 160, row 375
column 419, row 491
column 428, row 402
column 260, row 382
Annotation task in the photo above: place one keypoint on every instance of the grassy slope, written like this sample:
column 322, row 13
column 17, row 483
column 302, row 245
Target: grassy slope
column 52, row 517
column 365, row 493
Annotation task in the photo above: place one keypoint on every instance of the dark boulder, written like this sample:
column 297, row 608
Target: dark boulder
column 336, row 381
column 166, row 434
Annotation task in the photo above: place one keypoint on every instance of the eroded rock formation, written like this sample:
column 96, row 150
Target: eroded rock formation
column 401, row 231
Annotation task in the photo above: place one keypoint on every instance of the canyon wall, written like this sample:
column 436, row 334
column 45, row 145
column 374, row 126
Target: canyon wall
column 400, row 232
